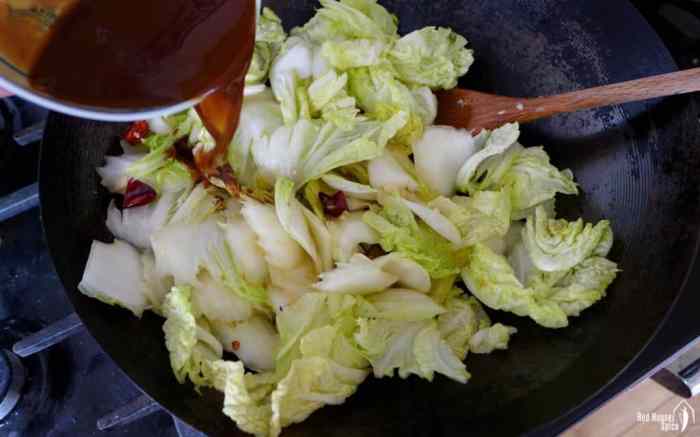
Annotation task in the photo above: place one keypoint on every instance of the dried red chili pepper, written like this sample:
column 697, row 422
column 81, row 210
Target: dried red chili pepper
column 138, row 194
column 137, row 132
column 334, row 205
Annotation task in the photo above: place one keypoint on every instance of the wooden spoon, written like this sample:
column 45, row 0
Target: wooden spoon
column 476, row 110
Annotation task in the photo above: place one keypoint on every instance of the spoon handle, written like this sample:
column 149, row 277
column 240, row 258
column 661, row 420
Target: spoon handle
column 680, row 82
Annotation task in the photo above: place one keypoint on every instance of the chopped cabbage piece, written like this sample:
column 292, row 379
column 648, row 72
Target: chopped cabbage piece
column 288, row 75
column 280, row 248
column 188, row 355
column 216, row 302
column 255, row 342
column 558, row 244
column 245, row 402
column 438, row 222
column 410, row 274
column 247, row 254
column 358, row 276
column 433, row 56
column 136, row 225
column 491, row 279
column 399, row 231
column 584, row 285
column 182, row 250
column 113, row 175
column 435, row 355
column 347, row 233
column 400, row 304
column 494, row 337
column 290, row 213
column 353, row 53
column 439, row 155
column 350, row 188
column 478, row 218
column 350, row 19
column 387, row 174
column 114, row 275
column 155, row 285
column 269, row 36
column 310, row 384
column 464, row 318
column 497, row 142
column 534, row 181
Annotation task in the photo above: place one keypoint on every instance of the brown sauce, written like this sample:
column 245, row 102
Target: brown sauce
column 137, row 54
column 182, row 152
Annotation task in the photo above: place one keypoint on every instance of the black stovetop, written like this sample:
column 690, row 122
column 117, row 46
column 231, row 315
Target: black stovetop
column 77, row 384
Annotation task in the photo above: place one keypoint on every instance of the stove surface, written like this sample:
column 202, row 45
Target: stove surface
column 83, row 383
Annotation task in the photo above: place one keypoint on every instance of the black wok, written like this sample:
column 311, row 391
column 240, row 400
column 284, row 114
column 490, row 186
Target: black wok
column 636, row 164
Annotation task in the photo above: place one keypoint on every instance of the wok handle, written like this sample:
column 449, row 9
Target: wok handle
column 682, row 376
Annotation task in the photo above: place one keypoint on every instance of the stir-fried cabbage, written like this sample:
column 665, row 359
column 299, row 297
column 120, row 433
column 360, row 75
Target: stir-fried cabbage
column 359, row 275
column 401, row 232
column 114, row 275
column 439, row 155
column 269, row 36
column 433, row 57
column 354, row 237
column 187, row 340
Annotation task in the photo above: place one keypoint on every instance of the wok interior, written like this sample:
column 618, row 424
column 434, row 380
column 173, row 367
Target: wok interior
column 633, row 166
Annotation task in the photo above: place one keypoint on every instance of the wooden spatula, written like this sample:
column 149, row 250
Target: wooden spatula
column 476, row 110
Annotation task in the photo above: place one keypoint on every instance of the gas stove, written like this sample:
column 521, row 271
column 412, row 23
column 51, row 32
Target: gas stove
column 57, row 381
column 54, row 378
